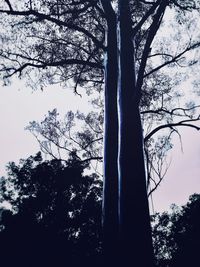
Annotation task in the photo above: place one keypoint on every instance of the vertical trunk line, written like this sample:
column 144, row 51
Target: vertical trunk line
column 134, row 220
column 110, row 185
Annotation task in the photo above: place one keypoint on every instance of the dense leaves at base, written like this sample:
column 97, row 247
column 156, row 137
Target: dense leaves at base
column 56, row 218
column 176, row 235
column 57, row 214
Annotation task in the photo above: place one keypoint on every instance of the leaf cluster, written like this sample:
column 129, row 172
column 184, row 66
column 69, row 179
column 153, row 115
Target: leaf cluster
column 52, row 202
column 176, row 234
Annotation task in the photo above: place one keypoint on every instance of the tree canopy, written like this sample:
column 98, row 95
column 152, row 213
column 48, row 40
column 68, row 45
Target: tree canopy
column 64, row 42
column 55, row 216
column 123, row 46
column 176, row 234
column 57, row 210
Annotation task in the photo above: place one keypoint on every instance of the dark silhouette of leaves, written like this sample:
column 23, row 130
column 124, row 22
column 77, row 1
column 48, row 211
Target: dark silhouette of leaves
column 56, row 213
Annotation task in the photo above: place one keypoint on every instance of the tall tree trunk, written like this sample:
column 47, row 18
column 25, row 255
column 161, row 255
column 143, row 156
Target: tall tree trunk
column 110, row 190
column 134, row 220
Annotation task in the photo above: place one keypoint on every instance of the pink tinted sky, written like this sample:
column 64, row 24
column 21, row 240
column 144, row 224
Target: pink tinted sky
column 183, row 176
column 19, row 106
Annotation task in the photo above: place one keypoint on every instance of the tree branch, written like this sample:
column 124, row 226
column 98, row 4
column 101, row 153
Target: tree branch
column 109, row 12
column 171, row 112
column 152, row 32
column 146, row 16
column 50, row 64
column 58, row 22
column 9, row 5
column 171, row 125
column 174, row 59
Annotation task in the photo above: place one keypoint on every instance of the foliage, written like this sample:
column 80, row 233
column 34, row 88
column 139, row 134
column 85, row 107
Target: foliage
column 55, row 204
column 75, row 133
column 176, row 234
column 55, row 209
column 51, row 42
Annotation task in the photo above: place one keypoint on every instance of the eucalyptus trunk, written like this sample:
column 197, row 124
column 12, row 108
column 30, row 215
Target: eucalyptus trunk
column 134, row 220
column 110, row 190
column 126, row 220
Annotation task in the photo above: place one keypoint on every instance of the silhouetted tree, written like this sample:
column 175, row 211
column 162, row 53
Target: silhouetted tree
column 56, row 217
column 176, row 235
column 69, row 44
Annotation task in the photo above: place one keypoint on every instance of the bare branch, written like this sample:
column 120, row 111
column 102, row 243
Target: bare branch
column 185, row 123
column 152, row 32
column 9, row 5
column 50, row 64
column 174, row 59
column 146, row 16
column 173, row 112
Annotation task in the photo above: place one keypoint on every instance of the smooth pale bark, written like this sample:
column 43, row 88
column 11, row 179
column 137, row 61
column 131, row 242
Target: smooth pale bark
column 110, row 188
column 134, row 220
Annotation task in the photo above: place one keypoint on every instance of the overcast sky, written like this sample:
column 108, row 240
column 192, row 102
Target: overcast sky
column 183, row 176
column 19, row 105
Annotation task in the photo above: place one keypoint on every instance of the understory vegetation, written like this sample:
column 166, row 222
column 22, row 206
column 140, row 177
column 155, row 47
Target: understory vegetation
column 51, row 215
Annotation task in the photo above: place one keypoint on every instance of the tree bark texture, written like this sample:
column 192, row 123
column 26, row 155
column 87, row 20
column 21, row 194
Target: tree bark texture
column 134, row 220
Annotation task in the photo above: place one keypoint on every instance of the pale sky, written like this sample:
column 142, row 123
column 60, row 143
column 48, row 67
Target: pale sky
column 19, row 105
column 183, row 176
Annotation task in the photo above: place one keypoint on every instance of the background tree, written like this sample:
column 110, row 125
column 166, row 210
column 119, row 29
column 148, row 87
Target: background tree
column 176, row 234
column 56, row 213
